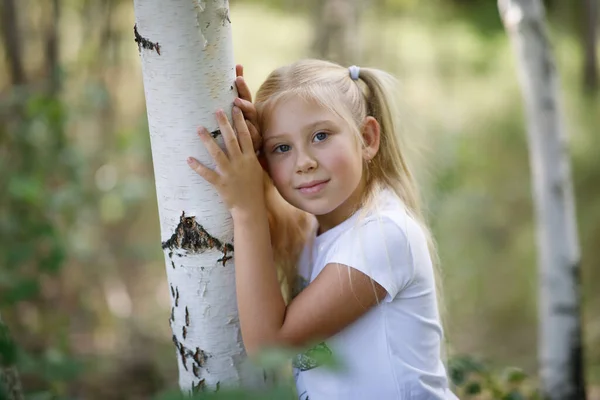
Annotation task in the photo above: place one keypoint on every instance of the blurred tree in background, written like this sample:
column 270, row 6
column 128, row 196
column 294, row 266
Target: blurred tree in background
column 82, row 281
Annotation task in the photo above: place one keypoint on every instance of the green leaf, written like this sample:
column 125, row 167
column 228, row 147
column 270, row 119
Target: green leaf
column 473, row 388
column 8, row 350
column 54, row 260
column 24, row 289
column 514, row 375
column 26, row 189
column 460, row 367
column 319, row 355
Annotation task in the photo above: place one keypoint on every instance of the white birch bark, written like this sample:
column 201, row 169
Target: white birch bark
column 560, row 345
column 188, row 71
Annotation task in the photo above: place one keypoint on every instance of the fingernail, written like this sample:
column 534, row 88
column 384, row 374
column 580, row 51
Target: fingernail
column 190, row 160
column 236, row 110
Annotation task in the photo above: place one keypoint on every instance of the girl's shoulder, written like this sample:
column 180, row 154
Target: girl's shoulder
column 387, row 217
column 385, row 244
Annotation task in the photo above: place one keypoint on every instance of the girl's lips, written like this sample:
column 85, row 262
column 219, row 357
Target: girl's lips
column 313, row 189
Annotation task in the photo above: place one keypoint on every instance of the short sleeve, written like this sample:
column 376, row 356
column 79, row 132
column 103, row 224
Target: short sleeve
column 380, row 249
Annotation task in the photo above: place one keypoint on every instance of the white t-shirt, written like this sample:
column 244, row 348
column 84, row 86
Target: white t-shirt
column 392, row 351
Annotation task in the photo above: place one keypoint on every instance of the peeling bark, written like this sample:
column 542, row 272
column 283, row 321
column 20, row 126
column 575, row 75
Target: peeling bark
column 143, row 42
column 191, row 236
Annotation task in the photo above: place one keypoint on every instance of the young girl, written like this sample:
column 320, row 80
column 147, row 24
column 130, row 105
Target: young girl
column 330, row 147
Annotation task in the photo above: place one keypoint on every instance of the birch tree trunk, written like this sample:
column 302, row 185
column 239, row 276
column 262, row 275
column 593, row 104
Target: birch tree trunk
column 188, row 71
column 560, row 344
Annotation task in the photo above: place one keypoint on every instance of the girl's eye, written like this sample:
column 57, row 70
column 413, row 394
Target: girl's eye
column 282, row 148
column 320, row 136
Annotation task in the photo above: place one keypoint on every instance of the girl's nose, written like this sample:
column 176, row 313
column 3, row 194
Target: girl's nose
column 305, row 162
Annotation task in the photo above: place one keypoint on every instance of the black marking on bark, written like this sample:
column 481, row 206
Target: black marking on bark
column 200, row 357
column 172, row 314
column 181, row 350
column 225, row 258
column 176, row 297
column 577, row 371
column 170, row 254
column 231, row 87
column 218, row 386
column 216, row 133
column 187, row 317
column 173, row 264
column 184, row 332
column 191, row 236
column 577, row 358
column 202, row 268
column 172, row 291
column 225, row 14
column 196, row 370
column 143, row 42
column 200, row 387
column 182, row 355
column 566, row 309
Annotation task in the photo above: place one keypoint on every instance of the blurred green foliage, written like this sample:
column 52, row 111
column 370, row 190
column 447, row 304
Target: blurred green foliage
column 43, row 192
column 474, row 379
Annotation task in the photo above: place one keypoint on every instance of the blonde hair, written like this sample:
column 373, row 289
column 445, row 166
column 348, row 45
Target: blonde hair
column 330, row 85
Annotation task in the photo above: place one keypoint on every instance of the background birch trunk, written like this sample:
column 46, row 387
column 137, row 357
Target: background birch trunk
column 560, row 344
column 189, row 72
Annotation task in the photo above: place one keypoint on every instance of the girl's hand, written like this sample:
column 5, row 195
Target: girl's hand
column 244, row 102
column 238, row 176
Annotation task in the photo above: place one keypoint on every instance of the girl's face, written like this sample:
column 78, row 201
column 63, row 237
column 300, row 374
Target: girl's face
column 315, row 160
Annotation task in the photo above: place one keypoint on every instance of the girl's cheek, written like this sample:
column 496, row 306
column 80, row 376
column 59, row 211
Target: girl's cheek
column 274, row 171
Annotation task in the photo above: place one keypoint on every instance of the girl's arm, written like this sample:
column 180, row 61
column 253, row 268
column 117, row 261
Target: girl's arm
column 336, row 298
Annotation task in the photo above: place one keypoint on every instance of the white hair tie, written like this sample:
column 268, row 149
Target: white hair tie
column 354, row 72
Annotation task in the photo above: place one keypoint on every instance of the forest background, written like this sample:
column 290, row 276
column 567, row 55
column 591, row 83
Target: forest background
column 82, row 281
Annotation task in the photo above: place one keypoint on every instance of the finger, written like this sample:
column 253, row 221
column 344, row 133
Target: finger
column 213, row 148
column 248, row 109
column 242, row 88
column 231, row 141
column 239, row 70
column 243, row 134
column 208, row 174
column 255, row 136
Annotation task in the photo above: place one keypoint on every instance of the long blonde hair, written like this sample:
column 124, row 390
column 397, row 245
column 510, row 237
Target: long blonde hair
column 330, row 85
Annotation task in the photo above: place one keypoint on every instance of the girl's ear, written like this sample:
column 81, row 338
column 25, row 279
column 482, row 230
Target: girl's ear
column 371, row 133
